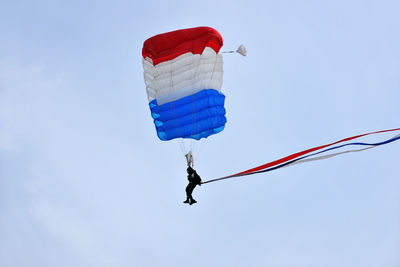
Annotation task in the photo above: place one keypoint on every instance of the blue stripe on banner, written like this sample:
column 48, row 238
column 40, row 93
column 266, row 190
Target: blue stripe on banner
column 288, row 160
column 196, row 116
column 326, row 150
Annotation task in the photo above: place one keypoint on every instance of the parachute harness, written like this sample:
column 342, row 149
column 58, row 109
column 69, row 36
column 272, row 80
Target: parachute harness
column 300, row 157
column 189, row 159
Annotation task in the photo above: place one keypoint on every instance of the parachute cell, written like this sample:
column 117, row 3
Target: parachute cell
column 183, row 75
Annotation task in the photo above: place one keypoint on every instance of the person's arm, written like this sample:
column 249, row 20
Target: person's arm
column 197, row 178
column 191, row 178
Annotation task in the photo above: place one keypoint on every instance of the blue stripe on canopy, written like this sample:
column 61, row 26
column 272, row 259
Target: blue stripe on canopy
column 196, row 116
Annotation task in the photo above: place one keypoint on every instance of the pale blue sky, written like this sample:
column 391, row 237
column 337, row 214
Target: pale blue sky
column 84, row 181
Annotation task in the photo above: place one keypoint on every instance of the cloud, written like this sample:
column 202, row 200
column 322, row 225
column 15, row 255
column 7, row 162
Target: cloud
column 67, row 177
column 23, row 94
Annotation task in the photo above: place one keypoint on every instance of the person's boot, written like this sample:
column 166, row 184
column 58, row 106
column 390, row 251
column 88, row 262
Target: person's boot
column 192, row 201
column 186, row 201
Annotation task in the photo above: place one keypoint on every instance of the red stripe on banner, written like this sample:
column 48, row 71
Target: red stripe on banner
column 298, row 154
column 167, row 46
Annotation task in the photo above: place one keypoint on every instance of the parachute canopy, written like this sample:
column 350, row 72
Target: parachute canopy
column 183, row 75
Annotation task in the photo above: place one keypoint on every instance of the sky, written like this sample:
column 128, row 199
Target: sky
column 84, row 180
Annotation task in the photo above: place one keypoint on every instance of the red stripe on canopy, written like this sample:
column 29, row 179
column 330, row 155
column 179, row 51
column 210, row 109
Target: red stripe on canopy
column 167, row 46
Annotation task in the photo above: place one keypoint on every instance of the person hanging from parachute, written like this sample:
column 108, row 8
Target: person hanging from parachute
column 193, row 178
column 183, row 73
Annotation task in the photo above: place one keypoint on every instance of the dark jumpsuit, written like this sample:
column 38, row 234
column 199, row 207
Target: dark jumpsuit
column 194, row 179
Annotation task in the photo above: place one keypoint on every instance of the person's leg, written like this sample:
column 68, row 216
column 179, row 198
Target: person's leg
column 188, row 194
column 192, row 200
